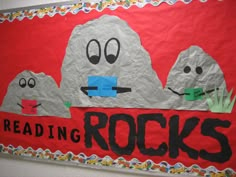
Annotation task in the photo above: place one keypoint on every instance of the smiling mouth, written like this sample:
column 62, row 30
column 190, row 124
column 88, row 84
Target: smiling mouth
column 20, row 105
column 35, row 106
column 200, row 94
column 29, row 107
column 117, row 89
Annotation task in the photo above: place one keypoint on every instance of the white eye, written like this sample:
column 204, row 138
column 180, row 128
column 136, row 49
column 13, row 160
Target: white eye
column 114, row 43
column 31, row 83
column 93, row 47
column 22, row 83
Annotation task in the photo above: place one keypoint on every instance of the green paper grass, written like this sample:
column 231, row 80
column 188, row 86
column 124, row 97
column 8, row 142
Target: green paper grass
column 221, row 104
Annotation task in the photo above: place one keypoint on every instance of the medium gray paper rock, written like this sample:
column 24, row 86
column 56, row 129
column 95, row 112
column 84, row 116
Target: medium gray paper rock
column 35, row 95
column 106, row 66
column 194, row 74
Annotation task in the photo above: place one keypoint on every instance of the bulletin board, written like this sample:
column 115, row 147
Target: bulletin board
column 138, row 85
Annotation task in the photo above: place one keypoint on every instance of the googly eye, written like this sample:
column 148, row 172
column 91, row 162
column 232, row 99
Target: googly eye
column 22, row 83
column 112, row 57
column 31, row 83
column 94, row 58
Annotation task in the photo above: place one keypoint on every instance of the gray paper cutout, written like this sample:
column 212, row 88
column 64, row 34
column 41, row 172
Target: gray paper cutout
column 86, row 55
column 132, row 66
column 28, row 85
column 193, row 68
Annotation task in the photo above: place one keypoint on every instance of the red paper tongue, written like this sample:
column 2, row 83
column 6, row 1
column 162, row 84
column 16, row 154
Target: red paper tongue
column 29, row 106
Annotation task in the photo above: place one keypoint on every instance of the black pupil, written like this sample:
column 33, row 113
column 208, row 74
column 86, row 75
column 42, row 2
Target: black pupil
column 111, row 58
column 199, row 70
column 187, row 69
column 94, row 59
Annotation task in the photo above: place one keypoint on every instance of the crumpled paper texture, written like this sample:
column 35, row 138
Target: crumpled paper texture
column 132, row 68
column 194, row 68
column 31, row 87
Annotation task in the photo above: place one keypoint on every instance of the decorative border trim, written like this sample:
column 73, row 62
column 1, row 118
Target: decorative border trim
column 83, row 6
column 120, row 162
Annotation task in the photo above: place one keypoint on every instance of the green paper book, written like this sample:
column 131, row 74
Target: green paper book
column 192, row 94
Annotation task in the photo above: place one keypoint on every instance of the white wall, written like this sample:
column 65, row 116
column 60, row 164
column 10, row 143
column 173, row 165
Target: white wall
column 33, row 168
column 12, row 5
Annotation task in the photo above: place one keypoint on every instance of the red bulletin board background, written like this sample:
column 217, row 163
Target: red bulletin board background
column 39, row 45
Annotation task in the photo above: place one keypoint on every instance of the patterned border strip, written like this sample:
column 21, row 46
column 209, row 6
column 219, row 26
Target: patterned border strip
column 83, row 6
column 120, row 162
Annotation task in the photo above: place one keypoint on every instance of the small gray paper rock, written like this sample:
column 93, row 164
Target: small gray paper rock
column 34, row 95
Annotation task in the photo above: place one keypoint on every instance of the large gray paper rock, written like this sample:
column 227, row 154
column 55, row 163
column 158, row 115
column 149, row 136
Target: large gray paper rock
column 35, row 95
column 103, row 50
column 194, row 69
